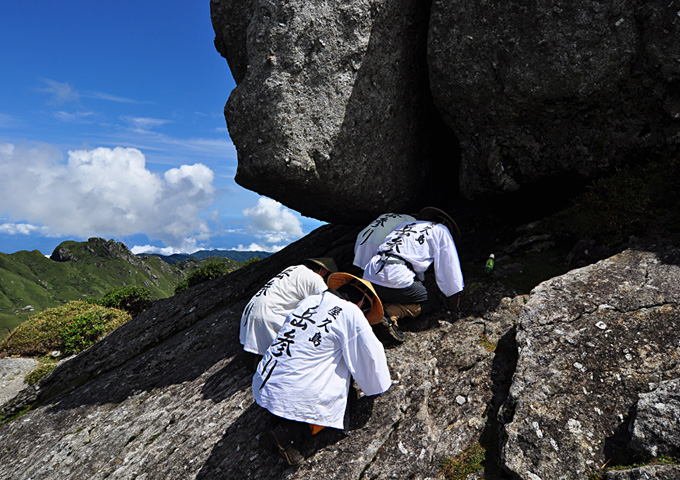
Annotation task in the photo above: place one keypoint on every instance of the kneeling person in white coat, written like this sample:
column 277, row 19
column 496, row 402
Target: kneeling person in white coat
column 398, row 268
column 305, row 375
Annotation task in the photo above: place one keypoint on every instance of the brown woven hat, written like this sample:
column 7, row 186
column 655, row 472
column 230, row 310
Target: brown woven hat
column 337, row 280
column 434, row 214
column 326, row 262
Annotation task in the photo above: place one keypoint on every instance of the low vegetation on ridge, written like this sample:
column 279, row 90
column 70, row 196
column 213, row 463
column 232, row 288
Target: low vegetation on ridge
column 67, row 329
column 31, row 282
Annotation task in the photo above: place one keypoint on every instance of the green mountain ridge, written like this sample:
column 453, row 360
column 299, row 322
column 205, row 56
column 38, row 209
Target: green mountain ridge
column 239, row 256
column 31, row 282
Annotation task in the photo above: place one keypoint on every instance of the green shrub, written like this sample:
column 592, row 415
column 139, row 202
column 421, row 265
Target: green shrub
column 250, row 260
column 470, row 461
column 181, row 286
column 83, row 331
column 69, row 328
column 207, row 272
column 133, row 300
column 39, row 372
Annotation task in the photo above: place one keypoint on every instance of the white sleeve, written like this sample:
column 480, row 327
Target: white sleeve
column 365, row 356
column 447, row 265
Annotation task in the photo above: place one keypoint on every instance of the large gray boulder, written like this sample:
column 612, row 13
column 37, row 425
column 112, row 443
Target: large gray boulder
column 650, row 472
column 589, row 343
column 231, row 27
column 345, row 110
column 13, row 372
column 333, row 116
column 549, row 91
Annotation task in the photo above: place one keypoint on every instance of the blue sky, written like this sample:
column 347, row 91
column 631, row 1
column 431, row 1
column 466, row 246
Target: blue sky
column 112, row 126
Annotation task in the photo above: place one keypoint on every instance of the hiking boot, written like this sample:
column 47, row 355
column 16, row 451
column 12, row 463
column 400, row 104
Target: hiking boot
column 393, row 330
column 278, row 440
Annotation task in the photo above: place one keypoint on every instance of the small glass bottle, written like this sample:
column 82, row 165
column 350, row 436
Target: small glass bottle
column 489, row 263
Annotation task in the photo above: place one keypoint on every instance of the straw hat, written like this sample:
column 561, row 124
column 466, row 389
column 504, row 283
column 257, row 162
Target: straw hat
column 337, row 280
column 440, row 216
column 326, row 262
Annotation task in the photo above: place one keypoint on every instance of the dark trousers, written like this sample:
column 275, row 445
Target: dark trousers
column 415, row 293
column 298, row 432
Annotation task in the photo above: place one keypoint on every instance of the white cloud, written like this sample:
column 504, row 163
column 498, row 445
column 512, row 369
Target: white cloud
column 256, row 247
column 23, row 229
column 110, row 98
column 272, row 224
column 105, row 192
column 78, row 117
column 61, row 92
column 273, row 221
column 137, row 249
column 143, row 123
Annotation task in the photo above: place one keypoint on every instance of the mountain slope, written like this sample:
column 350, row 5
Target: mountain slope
column 30, row 282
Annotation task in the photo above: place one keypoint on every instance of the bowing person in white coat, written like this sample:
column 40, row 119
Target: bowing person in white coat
column 305, row 374
column 267, row 309
column 397, row 269
column 371, row 237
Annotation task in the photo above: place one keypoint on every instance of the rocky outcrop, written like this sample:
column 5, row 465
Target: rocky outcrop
column 345, row 110
column 168, row 394
column 652, row 472
column 70, row 251
column 12, row 374
column 231, row 33
column 589, row 343
column 546, row 90
column 334, row 104
column 655, row 424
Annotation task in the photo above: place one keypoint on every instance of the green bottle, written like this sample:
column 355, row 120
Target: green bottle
column 489, row 263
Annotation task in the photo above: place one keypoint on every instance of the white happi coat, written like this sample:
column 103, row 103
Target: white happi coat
column 420, row 244
column 371, row 237
column 265, row 313
column 305, row 374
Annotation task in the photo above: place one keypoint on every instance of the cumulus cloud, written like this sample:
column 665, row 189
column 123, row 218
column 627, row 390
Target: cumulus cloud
column 104, row 192
column 272, row 221
column 272, row 225
column 137, row 249
column 23, row 229
column 256, row 247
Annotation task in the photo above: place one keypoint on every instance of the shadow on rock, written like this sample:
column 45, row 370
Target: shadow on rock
column 235, row 376
column 181, row 359
column 616, row 449
column 504, row 364
column 239, row 453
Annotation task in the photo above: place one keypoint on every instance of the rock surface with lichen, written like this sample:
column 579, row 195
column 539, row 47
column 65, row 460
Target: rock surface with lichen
column 589, row 343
